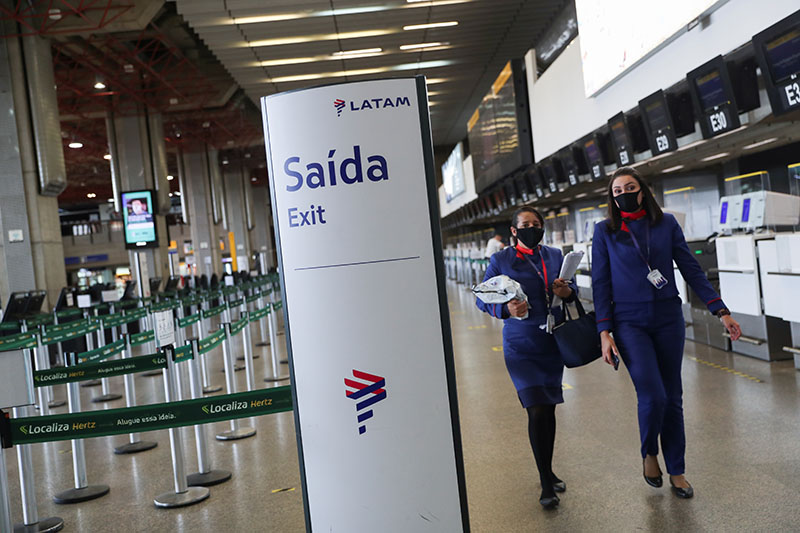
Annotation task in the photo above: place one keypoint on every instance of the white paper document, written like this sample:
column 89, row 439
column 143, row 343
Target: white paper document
column 568, row 268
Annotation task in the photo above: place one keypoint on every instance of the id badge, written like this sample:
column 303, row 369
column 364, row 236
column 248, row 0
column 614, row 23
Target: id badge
column 551, row 322
column 657, row 279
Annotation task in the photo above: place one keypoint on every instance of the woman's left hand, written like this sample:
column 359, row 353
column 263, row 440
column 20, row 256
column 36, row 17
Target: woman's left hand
column 733, row 327
column 562, row 289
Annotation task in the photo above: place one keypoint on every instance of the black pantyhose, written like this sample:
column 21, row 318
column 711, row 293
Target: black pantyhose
column 542, row 433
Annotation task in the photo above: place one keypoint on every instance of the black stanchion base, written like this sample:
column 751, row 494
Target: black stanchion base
column 284, row 361
column 236, row 434
column 91, row 383
column 209, row 479
column 211, row 389
column 273, row 380
column 262, row 344
column 45, row 525
column 81, row 495
column 236, row 368
column 135, row 447
column 56, row 403
column 170, row 500
column 152, row 373
column 106, row 398
column 280, row 333
column 241, row 357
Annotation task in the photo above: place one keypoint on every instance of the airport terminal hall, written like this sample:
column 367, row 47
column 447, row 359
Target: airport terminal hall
column 435, row 266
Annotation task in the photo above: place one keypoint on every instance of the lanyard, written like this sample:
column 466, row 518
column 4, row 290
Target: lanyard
column 639, row 249
column 543, row 277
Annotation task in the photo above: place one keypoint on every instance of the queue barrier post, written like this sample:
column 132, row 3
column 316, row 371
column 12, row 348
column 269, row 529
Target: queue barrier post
column 30, row 513
column 5, row 501
column 105, row 384
column 262, row 323
column 135, row 444
column 236, row 432
column 52, row 402
column 248, row 352
column 183, row 494
column 273, row 346
column 82, row 491
column 228, row 319
column 203, row 325
column 205, row 475
column 151, row 346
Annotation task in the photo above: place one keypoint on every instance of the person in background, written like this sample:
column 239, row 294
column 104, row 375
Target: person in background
column 494, row 245
column 531, row 354
column 636, row 298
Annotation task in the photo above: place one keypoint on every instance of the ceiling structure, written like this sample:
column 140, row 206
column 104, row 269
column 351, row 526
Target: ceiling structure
column 281, row 45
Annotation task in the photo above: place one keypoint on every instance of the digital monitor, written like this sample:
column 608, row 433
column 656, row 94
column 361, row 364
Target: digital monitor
column 523, row 188
column 155, row 284
column 658, row 123
column 16, row 306
column 713, row 98
column 453, row 173
column 534, row 178
column 138, row 219
column 35, row 302
column 549, row 174
column 568, row 166
column 510, row 189
column 621, row 139
column 777, row 50
column 172, row 283
column 594, row 158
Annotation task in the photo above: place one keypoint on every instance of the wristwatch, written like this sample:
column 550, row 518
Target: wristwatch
column 722, row 312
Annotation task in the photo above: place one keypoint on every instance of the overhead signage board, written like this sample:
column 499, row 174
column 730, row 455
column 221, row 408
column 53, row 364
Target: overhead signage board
column 356, row 218
column 138, row 219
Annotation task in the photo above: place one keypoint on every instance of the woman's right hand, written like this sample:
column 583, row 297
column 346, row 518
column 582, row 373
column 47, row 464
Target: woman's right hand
column 609, row 347
column 517, row 308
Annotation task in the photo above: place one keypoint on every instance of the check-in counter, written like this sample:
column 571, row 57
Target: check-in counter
column 583, row 277
column 780, row 281
column 702, row 326
column 741, row 270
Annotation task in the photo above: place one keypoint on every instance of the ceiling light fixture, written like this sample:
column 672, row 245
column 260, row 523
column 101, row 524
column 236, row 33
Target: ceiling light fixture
column 672, row 169
column 107, row 157
column 363, row 72
column 716, row 156
column 419, row 46
column 299, row 39
column 760, row 143
column 75, row 144
column 581, row 195
column 357, row 52
column 675, row 191
column 170, row 177
column 430, row 25
column 177, row 193
column 91, row 195
column 99, row 84
column 432, row 81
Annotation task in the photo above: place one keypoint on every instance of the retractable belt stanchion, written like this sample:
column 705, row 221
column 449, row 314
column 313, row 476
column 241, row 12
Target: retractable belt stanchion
column 135, row 443
column 30, row 514
column 183, row 494
column 82, row 491
column 204, row 327
column 5, row 502
column 107, row 395
column 236, row 432
column 53, row 402
column 227, row 317
column 248, row 348
column 205, row 476
column 262, row 324
column 273, row 347
column 38, row 356
column 89, row 347
column 246, row 301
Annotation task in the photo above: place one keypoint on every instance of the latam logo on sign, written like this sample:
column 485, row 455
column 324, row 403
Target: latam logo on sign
column 367, row 392
column 371, row 103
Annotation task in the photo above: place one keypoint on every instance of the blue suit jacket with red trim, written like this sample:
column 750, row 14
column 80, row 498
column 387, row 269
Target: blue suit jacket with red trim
column 619, row 274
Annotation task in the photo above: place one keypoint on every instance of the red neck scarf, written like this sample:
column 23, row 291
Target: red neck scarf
column 525, row 251
column 641, row 213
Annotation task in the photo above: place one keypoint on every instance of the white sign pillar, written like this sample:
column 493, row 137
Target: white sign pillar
column 368, row 332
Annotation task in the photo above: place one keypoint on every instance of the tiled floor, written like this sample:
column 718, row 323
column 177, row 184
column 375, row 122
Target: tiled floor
column 743, row 454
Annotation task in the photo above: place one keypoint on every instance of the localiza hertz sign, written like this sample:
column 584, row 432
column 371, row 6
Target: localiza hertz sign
column 365, row 394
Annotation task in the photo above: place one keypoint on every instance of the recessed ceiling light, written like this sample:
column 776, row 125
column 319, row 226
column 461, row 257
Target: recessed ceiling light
column 760, row 143
column 716, row 156
column 107, row 157
column 170, row 177
column 177, row 193
column 170, row 195
column 99, row 85
column 418, row 46
column 430, row 25
column 357, row 52
column 110, row 200
column 432, row 81
column 363, row 72
column 318, row 37
column 75, row 145
column 672, row 169
column 91, row 195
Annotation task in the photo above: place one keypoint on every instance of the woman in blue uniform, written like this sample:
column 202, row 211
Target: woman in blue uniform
column 636, row 298
column 531, row 354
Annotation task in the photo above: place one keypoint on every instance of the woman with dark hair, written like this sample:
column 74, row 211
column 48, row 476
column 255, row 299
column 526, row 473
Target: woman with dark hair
column 531, row 354
column 636, row 298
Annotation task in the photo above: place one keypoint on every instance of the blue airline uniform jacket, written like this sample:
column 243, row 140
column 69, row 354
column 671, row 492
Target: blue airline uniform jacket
column 531, row 354
column 619, row 274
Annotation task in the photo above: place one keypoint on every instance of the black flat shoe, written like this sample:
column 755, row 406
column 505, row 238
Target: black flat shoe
column 682, row 493
column 549, row 503
column 558, row 485
column 656, row 482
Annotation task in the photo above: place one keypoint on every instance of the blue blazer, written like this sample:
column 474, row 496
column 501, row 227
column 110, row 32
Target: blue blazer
column 619, row 274
column 526, row 335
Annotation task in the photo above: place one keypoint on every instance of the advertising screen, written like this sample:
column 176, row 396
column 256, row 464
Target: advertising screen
column 453, row 173
column 138, row 219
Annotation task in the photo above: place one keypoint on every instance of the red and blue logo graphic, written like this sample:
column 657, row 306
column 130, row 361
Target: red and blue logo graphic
column 339, row 105
column 367, row 392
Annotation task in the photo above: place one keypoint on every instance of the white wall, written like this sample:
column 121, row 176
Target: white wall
column 463, row 199
column 561, row 113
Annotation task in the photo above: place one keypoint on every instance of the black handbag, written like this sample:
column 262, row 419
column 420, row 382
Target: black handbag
column 577, row 338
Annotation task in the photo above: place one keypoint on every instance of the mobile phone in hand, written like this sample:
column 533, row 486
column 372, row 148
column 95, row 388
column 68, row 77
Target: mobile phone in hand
column 616, row 361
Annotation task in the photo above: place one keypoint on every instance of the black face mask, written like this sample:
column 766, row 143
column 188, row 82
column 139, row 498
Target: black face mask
column 530, row 237
column 628, row 202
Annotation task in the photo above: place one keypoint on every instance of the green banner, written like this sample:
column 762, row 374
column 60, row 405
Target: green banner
column 259, row 314
column 277, row 305
column 69, row 313
column 20, row 341
column 58, row 328
column 238, row 326
column 184, row 353
column 9, row 326
column 213, row 311
column 38, row 320
column 82, row 329
column 115, row 320
column 189, row 320
column 236, row 303
column 143, row 337
column 104, row 352
column 212, row 341
column 253, row 298
column 137, row 314
column 227, row 291
column 127, row 304
column 89, row 371
column 102, row 423
column 164, row 306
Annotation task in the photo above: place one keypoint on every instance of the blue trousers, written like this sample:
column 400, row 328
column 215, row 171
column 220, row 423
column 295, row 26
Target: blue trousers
column 650, row 337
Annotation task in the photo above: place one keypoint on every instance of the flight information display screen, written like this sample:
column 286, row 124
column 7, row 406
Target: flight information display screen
column 657, row 116
column 711, row 90
column 783, row 55
column 592, row 152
